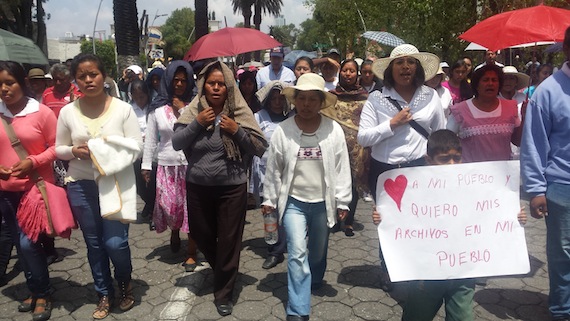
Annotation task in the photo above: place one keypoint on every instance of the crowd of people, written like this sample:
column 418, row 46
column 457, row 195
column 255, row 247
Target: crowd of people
column 203, row 143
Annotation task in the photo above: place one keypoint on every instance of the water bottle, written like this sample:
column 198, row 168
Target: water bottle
column 270, row 227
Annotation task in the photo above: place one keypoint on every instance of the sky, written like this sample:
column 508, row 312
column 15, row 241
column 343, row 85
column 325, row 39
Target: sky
column 78, row 16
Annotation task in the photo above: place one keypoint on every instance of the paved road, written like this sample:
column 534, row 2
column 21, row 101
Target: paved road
column 351, row 292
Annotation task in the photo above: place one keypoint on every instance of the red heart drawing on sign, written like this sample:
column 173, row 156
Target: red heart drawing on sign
column 396, row 189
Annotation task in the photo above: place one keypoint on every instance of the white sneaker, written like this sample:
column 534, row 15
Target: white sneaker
column 367, row 197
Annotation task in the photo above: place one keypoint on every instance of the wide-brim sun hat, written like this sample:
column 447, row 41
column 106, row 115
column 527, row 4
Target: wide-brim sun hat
column 523, row 79
column 307, row 82
column 429, row 61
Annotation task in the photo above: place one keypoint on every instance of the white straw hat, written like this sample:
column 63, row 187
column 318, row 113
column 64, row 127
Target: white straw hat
column 306, row 82
column 523, row 79
column 429, row 61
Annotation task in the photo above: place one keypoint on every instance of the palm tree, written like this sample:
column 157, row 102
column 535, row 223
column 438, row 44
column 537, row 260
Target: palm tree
column 244, row 6
column 267, row 7
column 272, row 7
column 201, row 18
column 127, row 33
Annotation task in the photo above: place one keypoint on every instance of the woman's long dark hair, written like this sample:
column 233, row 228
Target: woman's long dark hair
column 17, row 71
column 464, row 88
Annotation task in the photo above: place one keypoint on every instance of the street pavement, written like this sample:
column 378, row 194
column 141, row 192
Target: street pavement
column 351, row 291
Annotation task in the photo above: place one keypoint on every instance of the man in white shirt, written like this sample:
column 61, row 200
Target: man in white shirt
column 490, row 58
column 275, row 71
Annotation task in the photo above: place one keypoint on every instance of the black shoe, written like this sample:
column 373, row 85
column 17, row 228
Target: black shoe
column 151, row 226
column 225, row 308
column 348, row 232
column 297, row 318
column 27, row 305
column 335, row 228
column 272, row 261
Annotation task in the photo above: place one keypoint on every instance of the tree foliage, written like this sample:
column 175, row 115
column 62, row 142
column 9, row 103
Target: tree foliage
column 286, row 35
column 106, row 51
column 176, row 33
column 430, row 25
column 25, row 18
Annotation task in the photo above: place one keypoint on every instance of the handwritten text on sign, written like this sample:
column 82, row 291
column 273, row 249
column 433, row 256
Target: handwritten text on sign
column 452, row 221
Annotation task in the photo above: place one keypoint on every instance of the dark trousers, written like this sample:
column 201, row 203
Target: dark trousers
column 216, row 219
column 6, row 246
column 349, row 220
column 279, row 248
column 147, row 192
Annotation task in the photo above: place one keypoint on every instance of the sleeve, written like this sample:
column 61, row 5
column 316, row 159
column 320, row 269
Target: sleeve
column 372, row 129
column 48, row 129
column 274, row 170
column 151, row 141
column 438, row 119
column 535, row 148
column 246, row 141
column 343, row 188
column 63, row 142
column 184, row 135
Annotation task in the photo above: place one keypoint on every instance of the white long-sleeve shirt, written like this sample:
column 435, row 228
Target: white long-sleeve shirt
column 403, row 144
column 158, row 139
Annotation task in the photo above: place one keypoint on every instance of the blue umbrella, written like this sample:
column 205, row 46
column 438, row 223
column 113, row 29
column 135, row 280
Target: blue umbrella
column 556, row 47
column 384, row 38
column 290, row 58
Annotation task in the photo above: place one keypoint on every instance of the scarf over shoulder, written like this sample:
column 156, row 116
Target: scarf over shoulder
column 235, row 107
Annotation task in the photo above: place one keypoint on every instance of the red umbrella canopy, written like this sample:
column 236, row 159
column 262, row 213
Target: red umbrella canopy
column 230, row 42
column 507, row 29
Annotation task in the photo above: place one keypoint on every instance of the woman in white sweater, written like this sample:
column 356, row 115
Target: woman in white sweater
column 308, row 181
column 97, row 115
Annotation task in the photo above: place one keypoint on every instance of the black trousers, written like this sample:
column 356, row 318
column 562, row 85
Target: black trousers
column 216, row 217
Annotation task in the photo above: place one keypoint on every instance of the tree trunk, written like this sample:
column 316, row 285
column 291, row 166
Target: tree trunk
column 201, row 18
column 41, row 35
column 257, row 23
column 127, row 33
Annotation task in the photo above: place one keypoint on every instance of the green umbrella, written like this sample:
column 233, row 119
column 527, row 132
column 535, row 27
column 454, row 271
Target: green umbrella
column 20, row 49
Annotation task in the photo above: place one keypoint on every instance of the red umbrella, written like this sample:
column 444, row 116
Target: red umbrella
column 507, row 29
column 230, row 42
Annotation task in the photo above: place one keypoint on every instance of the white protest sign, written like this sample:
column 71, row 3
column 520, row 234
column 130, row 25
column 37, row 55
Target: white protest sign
column 452, row 221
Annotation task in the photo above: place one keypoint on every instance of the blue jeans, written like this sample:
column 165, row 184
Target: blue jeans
column 32, row 256
column 106, row 239
column 307, row 243
column 558, row 248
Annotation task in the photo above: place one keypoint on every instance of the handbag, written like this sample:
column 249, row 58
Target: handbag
column 45, row 207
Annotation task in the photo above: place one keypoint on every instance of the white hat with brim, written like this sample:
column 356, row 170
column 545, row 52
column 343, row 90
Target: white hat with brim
column 523, row 79
column 307, row 82
column 429, row 61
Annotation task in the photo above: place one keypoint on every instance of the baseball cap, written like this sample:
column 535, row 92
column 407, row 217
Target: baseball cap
column 277, row 52
column 333, row 51
column 36, row 73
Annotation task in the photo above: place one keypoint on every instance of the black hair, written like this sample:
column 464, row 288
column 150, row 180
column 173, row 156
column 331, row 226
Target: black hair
column 17, row 71
column 567, row 38
column 366, row 63
column 478, row 74
column 442, row 141
column 465, row 91
column 347, row 61
column 307, row 60
column 248, row 75
column 141, row 85
column 81, row 58
column 419, row 77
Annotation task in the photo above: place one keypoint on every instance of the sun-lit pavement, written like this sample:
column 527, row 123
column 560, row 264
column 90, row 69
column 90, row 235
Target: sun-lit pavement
column 351, row 292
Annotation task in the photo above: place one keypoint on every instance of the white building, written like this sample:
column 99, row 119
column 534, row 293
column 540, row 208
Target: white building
column 61, row 49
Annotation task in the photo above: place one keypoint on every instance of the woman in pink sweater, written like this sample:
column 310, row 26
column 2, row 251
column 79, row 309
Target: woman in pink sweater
column 35, row 126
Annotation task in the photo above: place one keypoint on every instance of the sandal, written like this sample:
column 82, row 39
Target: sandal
column 42, row 310
column 103, row 308
column 127, row 298
column 27, row 305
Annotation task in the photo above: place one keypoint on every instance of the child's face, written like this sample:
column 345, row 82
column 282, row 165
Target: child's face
column 452, row 156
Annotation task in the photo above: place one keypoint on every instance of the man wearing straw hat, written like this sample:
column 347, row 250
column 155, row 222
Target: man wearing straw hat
column 545, row 168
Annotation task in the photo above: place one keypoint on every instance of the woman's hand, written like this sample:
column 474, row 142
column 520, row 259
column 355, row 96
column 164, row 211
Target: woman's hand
column 403, row 117
column 81, row 151
column 341, row 214
column 5, row 173
column 146, row 175
column 177, row 104
column 206, row 117
column 376, row 217
column 22, row 168
column 265, row 209
column 228, row 125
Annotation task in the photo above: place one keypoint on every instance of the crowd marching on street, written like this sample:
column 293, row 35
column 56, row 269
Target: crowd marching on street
column 201, row 143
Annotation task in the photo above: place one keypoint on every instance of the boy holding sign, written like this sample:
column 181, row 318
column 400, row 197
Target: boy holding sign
column 425, row 297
